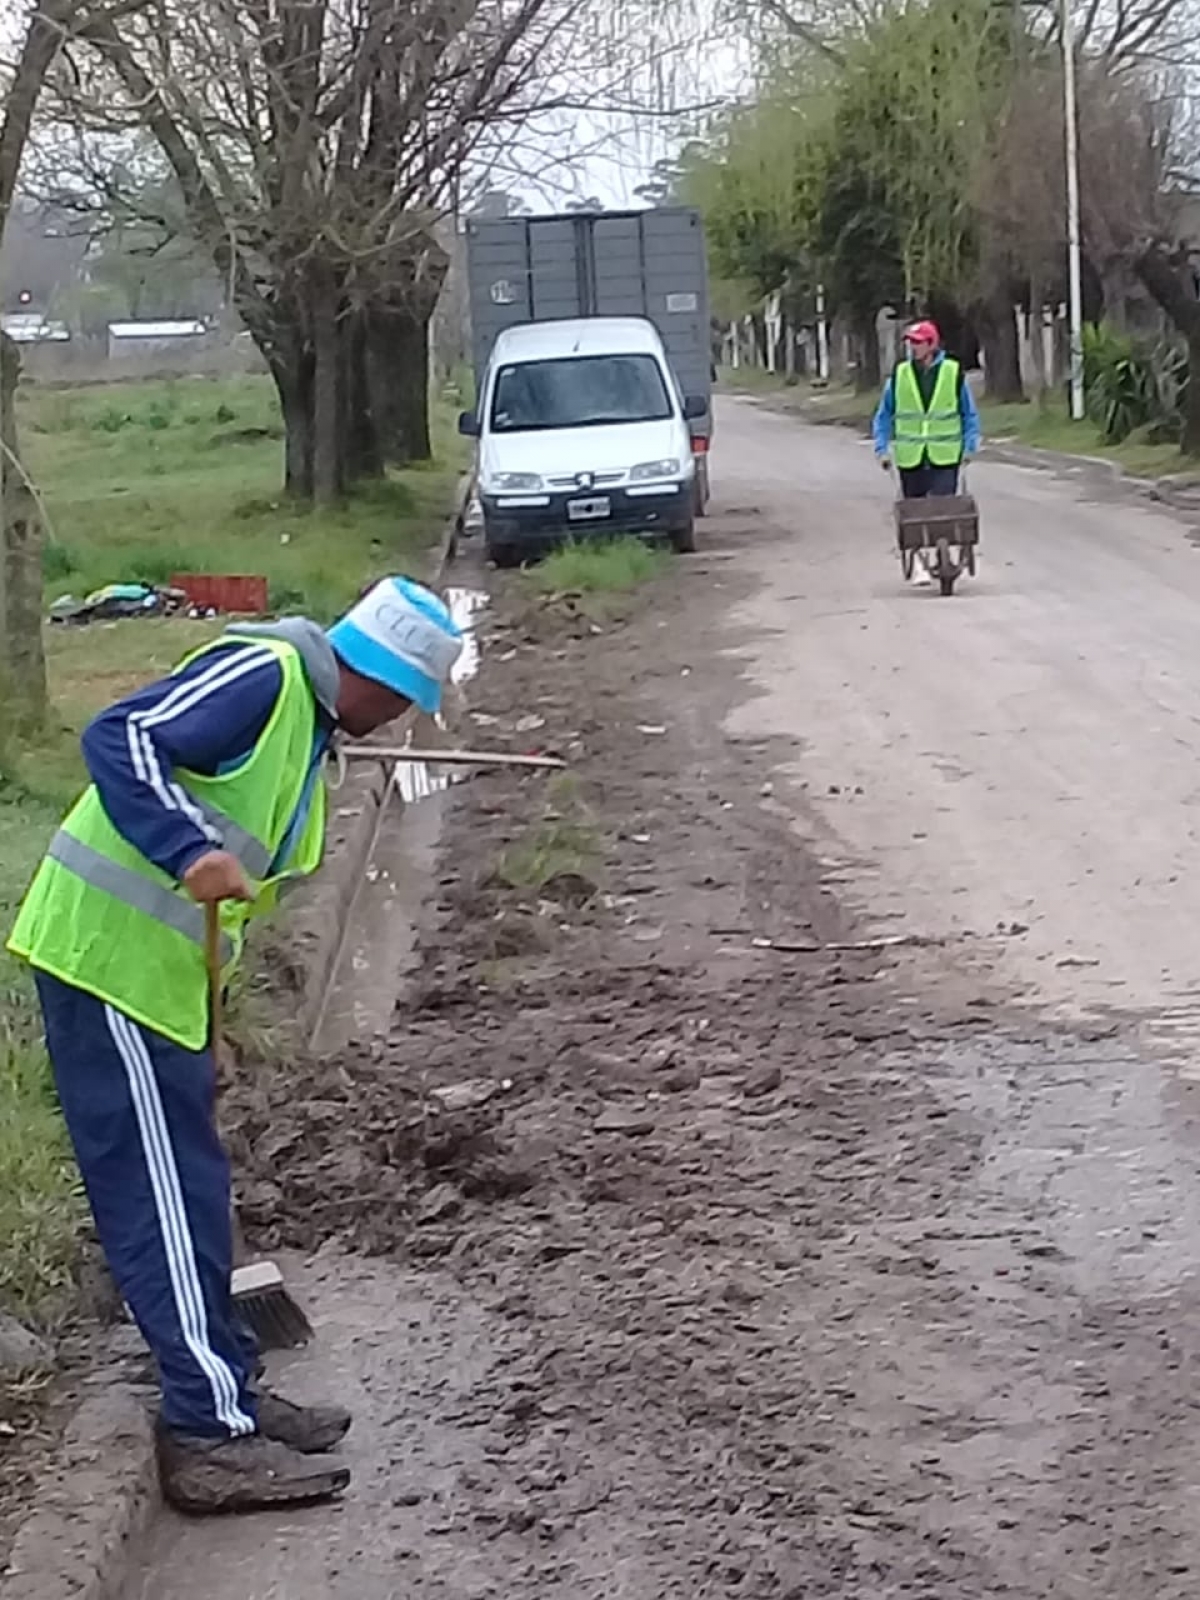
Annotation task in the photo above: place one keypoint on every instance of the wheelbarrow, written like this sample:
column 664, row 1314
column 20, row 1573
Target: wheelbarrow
column 942, row 533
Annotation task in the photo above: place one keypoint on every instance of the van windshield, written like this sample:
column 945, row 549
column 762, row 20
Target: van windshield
column 579, row 392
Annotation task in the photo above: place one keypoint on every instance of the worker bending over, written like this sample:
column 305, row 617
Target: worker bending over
column 206, row 787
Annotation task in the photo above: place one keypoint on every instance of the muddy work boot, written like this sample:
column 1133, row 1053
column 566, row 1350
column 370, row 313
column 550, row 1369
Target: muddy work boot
column 208, row 1476
column 309, row 1429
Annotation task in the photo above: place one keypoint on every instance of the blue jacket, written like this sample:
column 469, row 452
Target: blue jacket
column 206, row 718
column 884, row 426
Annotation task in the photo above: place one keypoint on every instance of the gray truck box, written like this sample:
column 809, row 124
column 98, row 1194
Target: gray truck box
column 597, row 264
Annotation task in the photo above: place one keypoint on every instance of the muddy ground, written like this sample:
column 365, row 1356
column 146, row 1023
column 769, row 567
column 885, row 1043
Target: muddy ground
column 714, row 1269
column 772, row 1323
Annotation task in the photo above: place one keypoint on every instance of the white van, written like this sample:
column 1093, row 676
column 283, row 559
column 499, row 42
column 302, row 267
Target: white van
column 582, row 433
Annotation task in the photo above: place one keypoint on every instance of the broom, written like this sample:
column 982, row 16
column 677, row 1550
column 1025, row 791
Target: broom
column 260, row 1296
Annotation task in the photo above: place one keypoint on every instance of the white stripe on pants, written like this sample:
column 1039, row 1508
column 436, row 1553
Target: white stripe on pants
column 173, row 1221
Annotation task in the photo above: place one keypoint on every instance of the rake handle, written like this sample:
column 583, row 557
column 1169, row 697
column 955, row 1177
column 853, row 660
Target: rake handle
column 457, row 758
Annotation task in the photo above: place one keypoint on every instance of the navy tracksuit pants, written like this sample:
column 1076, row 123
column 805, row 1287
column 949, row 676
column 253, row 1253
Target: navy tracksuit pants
column 920, row 483
column 141, row 1114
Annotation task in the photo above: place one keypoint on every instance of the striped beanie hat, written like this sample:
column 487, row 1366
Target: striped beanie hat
column 401, row 635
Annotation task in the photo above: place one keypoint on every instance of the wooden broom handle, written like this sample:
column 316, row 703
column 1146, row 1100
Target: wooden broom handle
column 212, row 961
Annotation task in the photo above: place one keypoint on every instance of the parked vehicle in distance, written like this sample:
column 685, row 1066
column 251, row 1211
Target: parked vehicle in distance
column 583, row 432
column 649, row 263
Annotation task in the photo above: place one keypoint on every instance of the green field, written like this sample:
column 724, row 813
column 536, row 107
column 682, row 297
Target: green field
column 141, row 481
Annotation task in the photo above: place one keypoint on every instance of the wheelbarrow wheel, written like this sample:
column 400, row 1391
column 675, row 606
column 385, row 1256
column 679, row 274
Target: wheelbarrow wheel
column 947, row 569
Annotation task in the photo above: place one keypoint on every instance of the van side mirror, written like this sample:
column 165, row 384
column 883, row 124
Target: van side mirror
column 695, row 407
column 468, row 424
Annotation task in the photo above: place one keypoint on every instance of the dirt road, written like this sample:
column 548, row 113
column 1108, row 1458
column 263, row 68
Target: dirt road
column 777, row 1275
column 1027, row 753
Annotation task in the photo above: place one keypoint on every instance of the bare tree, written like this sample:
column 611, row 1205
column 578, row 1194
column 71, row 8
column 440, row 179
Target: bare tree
column 1120, row 34
column 1139, row 161
column 1137, row 156
column 315, row 145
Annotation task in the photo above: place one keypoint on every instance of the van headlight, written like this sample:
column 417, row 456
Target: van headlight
column 668, row 468
column 514, row 483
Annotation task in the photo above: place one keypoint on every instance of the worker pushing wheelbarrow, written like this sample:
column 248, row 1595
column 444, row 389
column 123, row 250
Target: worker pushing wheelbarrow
column 927, row 426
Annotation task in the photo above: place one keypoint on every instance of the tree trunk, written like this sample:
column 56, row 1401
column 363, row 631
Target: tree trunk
column 327, row 478
column 339, row 413
column 867, row 372
column 21, row 586
column 360, row 444
column 22, row 663
column 398, row 371
column 1168, row 277
column 1001, row 349
column 292, row 369
column 1190, row 440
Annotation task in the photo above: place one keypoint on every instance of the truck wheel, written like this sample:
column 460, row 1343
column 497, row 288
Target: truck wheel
column 701, row 495
column 683, row 540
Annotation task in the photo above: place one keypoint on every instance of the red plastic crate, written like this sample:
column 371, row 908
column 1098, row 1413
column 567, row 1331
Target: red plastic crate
column 223, row 591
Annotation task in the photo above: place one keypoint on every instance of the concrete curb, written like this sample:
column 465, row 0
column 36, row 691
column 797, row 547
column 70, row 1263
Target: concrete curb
column 315, row 924
column 1166, row 491
column 316, row 920
column 87, row 1517
column 99, row 1496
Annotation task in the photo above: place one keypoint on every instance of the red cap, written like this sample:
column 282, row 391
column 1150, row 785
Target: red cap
column 923, row 333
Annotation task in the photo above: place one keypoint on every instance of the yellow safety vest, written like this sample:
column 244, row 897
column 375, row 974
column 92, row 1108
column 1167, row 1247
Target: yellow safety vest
column 934, row 434
column 102, row 917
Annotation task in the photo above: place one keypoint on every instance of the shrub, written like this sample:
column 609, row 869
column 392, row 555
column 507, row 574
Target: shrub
column 1118, row 382
column 1131, row 385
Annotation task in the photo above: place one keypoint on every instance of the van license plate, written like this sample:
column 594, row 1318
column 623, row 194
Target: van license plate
column 589, row 510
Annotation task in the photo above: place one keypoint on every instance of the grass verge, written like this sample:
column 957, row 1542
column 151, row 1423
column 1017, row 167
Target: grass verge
column 41, row 1204
column 610, row 566
column 562, row 845
column 141, row 481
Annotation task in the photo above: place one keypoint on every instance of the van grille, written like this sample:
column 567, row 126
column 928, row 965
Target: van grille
column 599, row 480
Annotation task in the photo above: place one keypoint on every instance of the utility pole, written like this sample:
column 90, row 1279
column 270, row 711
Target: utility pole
column 822, row 336
column 1074, row 265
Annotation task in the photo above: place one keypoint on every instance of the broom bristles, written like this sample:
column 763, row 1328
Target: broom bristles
column 263, row 1301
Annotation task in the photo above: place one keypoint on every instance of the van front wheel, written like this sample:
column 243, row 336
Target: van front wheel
column 504, row 556
column 683, row 540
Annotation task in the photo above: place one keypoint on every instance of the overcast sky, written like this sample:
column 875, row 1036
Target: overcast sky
column 577, row 154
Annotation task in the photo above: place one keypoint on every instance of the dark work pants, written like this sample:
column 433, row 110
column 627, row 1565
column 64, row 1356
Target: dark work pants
column 918, row 483
column 141, row 1114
